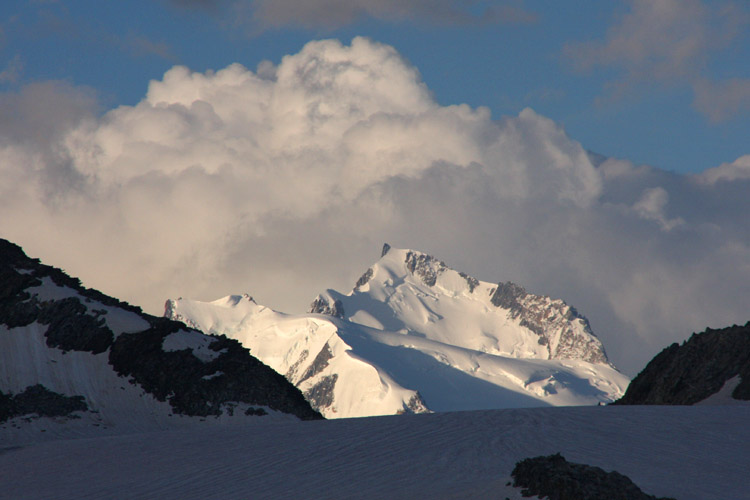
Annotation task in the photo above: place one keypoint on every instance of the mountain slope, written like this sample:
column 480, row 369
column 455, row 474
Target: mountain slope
column 68, row 351
column 416, row 294
column 310, row 350
column 696, row 370
column 422, row 337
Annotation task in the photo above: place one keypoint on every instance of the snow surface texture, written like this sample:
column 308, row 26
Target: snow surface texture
column 416, row 336
column 687, row 452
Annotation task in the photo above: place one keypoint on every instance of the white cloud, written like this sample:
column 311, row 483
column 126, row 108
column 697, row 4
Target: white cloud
column 329, row 14
column 285, row 181
column 727, row 172
column 670, row 42
column 656, row 39
column 651, row 206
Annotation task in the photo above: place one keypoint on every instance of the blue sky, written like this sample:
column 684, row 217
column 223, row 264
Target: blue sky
column 135, row 153
column 519, row 59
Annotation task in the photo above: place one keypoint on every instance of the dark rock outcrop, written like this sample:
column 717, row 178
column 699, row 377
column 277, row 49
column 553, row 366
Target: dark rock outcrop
column 424, row 266
column 319, row 363
column 362, row 281
column 555, row 478
column 471, row 281
column 508, row 295
column 39, row 401
column 415, row 405
column 544, row 315
column 321, row 394
column 193, row 386
column 321, row 305
column 688, row 373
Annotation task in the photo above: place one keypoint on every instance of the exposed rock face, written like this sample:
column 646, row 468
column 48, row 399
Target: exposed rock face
column 688, row 373
column 201, row 387
column 72, row 329
column 471, row 281
column 362, row 281
column 553, row 320
column 321, row 394
column 318, row 365
column 415, row 405
column 291, row 373
column 424, row 266
column 37, row 400
column 321, row 305
column 508, row 296
column 555, row 478
column 193, row 384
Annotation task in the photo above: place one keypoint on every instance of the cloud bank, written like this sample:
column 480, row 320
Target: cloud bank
column 286, row 180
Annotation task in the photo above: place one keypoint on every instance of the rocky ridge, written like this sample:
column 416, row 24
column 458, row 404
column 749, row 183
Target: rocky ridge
column 698, row 368
column 45, row 314
column 563, row 332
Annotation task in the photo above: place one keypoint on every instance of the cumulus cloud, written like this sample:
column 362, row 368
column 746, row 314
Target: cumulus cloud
column 286, row 180
column 670, row 42
column 727, row 172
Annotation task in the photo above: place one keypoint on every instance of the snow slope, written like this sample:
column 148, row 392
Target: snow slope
column 415, row 336
column 313, row 351
column 688, row 452
column 416, row 294
column 74, row 362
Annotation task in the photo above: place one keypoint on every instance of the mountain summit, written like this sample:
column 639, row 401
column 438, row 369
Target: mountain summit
column 416, row 294
column 414, row 335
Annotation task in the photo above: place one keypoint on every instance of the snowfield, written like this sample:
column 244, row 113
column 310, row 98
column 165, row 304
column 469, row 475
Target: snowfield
column 686, row 452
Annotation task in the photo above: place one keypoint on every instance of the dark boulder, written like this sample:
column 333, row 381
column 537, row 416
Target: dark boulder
column 555, row 478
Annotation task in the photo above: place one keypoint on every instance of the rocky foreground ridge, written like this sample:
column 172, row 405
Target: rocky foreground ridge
column 70, row 351
column 695, row 370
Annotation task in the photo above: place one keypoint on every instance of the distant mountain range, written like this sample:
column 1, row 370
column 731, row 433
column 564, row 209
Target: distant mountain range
column 414, row 336
column 73, row 355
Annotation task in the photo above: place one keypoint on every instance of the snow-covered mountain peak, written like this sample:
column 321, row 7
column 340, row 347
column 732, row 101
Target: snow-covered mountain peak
column 231, row 308
column 415, row 268
column 414, row 335
column 417, row 294
column 318, row 353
